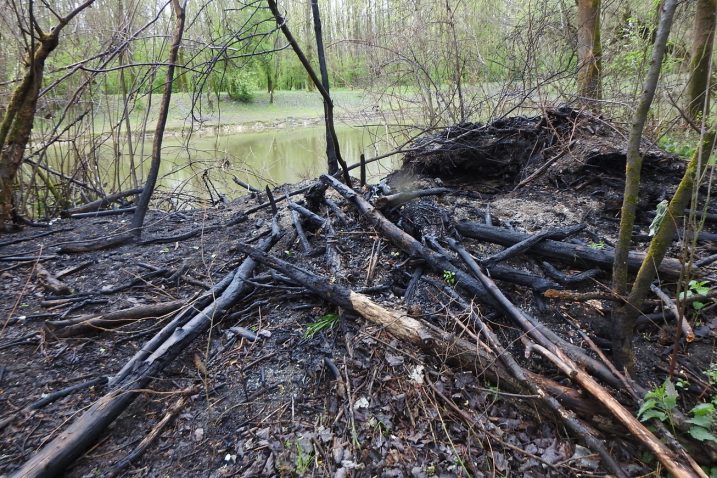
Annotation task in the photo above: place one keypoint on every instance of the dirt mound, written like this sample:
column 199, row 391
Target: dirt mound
column 562, row 144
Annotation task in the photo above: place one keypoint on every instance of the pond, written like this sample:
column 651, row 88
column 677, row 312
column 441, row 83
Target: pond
column 272, row 157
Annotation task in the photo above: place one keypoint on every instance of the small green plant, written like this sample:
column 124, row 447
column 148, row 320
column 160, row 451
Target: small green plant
column 449, row 277
column 695, row 288
column 659, row 403
column 303, row 460
column 324, row 322
column 288, row 253
column 702, row 421
column 598, row 246
column 711, row 373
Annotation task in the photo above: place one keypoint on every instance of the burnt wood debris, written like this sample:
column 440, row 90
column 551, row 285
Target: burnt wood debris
column 489, row 254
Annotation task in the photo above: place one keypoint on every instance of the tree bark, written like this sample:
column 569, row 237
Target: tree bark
column 18, row 120
column 143, row 202
column 702, row 46
column 589, row 52
column 626, row 315
column 332, row 144
column 622, row 355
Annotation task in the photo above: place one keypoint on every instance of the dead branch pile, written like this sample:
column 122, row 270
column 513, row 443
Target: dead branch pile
column 447, row 290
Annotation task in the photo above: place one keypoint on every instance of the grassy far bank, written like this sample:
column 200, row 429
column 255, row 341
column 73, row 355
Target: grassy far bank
column 294, row 107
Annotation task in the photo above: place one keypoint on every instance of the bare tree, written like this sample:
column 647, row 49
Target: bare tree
column 19, row 117
column 624, row 317
column 143, row 203
column 702, row 45
column 328, row 102
column 589, row 51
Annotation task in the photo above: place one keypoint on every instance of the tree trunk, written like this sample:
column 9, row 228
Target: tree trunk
column 309, row 47
column 622, row 329
column 18, row 120
column 589, row 52
column 332, row 147
column 626, row 315
column 143, row 203
column 318, row 83
column 702, row 46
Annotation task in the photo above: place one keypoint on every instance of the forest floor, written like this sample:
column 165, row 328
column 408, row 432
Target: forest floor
column 309, row 389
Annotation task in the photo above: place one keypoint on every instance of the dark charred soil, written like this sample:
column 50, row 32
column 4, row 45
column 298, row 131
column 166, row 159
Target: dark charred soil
column 272, row 399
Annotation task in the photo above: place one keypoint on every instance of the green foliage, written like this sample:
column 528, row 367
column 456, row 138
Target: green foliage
column 712, row 374
column 702, row 421
column 449, row 277
column 598, row 246
column 695, row 287
column 240, row 87
column 659, row 403
column 681, row 147
column 324, row 322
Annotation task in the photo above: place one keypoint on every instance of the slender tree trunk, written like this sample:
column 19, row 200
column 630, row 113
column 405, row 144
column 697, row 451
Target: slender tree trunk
column 622, row 329
column 143, row 202
column 309, row 46
column 702, row 46
column 318, row 83
column 589, row 52
column 332, row 147
column 627, row 314
column 19, row 117
column 458, row 68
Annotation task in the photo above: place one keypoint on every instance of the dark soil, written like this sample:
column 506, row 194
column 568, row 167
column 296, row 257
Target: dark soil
column 273, row 407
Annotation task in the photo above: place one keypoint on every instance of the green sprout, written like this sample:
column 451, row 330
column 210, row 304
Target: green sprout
column 449, row 277
column 324, row 322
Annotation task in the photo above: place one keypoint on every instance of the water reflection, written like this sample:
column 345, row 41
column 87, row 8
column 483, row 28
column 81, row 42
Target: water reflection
column 260, row 158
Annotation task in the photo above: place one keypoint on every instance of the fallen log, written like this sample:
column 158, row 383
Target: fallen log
column 571, row 422
column 562, row 251
column 106, row 212
column 541, row 334
column 90, row 322
column 125, row 387
column 100, row 203
column 569, row 279
column 677, row 462
column 440, row 263
column 397, row 324
column 526, row 244
column 315, row 219
column 506, row 273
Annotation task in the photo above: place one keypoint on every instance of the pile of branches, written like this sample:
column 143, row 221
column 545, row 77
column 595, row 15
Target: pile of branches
column 439, row 254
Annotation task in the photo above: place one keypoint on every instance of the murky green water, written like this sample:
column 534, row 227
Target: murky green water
column 271, row 157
